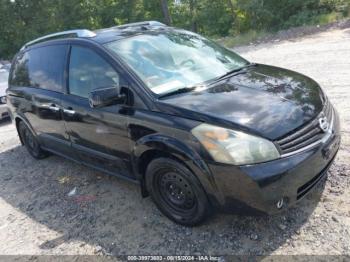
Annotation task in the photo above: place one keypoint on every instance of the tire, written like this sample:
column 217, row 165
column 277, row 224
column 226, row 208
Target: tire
column 30, row 142
column 177, row 192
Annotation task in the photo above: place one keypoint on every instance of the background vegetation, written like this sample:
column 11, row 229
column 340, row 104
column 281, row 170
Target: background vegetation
column 23, row 20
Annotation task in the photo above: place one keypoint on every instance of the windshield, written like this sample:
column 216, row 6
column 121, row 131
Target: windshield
column 168, row 61
column 4, row 75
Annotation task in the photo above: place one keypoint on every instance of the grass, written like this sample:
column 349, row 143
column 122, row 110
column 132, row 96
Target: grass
column 327, row 18
column 242, row 39
column 253, row 36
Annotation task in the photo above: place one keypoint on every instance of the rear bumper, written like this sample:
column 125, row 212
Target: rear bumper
column 259, row 187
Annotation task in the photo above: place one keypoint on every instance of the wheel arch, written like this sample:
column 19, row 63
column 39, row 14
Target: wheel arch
column 17, row 121
column 154, row 146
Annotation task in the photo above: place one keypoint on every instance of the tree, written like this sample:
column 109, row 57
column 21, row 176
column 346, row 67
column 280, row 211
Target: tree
column 165, row 11
column 24, row 20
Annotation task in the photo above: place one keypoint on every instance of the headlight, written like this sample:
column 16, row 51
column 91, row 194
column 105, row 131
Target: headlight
column 234, row 147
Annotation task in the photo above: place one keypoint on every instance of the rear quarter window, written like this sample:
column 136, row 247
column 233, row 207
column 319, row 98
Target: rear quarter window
column 41, row 67
column 19, row 75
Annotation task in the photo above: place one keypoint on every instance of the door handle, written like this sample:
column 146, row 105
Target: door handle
column 54, row 108
column 69, row 111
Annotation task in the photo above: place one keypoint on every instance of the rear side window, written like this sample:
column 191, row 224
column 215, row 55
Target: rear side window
column 20, row 75
column 88, row 71
column 41, row 67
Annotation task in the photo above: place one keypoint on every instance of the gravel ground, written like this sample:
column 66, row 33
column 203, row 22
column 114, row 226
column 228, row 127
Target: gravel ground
column 108, row 216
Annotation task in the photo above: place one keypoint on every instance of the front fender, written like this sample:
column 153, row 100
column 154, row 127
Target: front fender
column 180, row 151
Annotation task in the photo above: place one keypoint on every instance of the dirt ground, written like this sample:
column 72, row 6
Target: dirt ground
column 107, row 215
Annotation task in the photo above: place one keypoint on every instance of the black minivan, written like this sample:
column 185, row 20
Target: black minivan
column 198, row 127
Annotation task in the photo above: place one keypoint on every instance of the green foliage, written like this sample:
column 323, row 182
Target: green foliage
column 242, row 39
column 24, row 20
column 279, row 14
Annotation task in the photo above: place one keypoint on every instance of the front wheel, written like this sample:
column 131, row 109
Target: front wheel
column 176, row 191
column 30, row 142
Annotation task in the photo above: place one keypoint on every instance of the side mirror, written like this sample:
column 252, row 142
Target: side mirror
column 106, row 97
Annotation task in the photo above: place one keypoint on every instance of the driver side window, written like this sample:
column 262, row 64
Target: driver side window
column 88, row 71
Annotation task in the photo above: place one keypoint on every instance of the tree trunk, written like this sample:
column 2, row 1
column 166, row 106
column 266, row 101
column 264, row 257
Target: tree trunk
column 230, row 4
column 165, row 11
column 194, row 26
column 235, row 21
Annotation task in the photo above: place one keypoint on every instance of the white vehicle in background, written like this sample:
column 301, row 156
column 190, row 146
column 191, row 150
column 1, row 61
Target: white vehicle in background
column 4, row 74
column 5, row 65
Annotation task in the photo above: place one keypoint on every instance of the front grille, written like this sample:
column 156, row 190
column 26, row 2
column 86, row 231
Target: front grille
column 306, row 135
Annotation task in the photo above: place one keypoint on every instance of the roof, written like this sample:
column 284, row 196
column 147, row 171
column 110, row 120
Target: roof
column 103, row 35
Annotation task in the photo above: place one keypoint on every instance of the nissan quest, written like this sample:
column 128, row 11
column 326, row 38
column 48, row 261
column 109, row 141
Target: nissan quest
column 195, row 125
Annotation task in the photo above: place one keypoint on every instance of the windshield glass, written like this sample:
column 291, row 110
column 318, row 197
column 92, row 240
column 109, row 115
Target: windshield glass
column 4, row 76
column 167, row 61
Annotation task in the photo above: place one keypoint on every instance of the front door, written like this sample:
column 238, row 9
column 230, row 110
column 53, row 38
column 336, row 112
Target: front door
column 98, row 135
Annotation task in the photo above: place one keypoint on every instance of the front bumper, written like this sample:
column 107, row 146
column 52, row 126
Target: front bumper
column 4, row 113
column 259, row 187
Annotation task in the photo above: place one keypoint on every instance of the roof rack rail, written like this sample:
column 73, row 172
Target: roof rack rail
column 76, row 33
column 140, row 24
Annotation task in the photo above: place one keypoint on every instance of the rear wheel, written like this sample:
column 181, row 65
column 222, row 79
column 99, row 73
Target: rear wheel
column 30, row 142
column 176, row 191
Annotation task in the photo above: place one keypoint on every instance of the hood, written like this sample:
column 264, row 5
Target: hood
column 265, row 100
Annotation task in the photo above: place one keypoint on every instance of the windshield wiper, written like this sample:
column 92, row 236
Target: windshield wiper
column 191, row 88
column 231, row 72
column 178, row 91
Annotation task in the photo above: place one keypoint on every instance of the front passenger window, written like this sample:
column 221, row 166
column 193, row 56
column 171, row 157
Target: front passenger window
column 88, row 71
